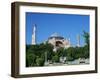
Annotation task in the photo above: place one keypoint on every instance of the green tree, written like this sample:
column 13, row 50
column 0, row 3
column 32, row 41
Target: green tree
column 30, row 59
column 71, row 54
column 38, row 52
column 86, row 51
column 81, row 52
column 55, row 58
column 49, row 49
column 86, row 47
column 62, row 52
column 39, row 61
column 86, row 37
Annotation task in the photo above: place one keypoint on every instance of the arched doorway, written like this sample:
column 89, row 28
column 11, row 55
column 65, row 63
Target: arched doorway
column 59, row 44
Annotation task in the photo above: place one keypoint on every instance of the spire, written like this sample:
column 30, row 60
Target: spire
column 69, row 41
column 34, row 35
column 34, row 28
column 78, row 40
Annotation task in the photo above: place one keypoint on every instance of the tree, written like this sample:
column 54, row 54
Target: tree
column 27, row 47
column 71, row 54
column 86, row 47
column 35, row 54
column 80, row 52
column 55, row 58
column 86, row 37
column 30, row 59
column 60, row 52
column 86, row 51
column 39, row 61
column 49, row 50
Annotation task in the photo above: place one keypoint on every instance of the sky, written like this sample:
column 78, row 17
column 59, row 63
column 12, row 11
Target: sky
column 66, row 25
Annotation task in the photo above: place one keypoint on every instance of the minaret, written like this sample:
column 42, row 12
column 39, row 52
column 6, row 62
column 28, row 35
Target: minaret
column 34, row 35
column 69, row 42
column 78, row 41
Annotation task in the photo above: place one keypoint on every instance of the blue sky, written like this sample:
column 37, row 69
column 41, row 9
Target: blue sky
column 66, row 25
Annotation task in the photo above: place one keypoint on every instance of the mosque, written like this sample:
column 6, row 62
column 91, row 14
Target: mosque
column 56, row 40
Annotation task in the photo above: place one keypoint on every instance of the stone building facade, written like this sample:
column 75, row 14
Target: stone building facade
column 58, row 41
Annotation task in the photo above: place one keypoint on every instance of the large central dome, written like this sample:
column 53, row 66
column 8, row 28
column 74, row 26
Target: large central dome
column 56, row 36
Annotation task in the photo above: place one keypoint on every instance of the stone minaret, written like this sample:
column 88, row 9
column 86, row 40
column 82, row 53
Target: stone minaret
column 69, row 42
column 34, row 35
column 78, row 41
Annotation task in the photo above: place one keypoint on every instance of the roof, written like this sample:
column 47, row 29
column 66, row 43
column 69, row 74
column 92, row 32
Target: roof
column 56, row 35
